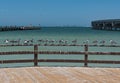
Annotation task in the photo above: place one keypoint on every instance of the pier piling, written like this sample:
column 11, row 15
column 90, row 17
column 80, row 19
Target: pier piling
column 86, row 55
column 35, row 55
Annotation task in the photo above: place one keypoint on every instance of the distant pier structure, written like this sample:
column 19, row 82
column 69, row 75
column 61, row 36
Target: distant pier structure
column 14, row 28
column 110, row 24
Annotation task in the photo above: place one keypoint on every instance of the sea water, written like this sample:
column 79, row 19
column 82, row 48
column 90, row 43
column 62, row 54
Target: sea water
column 68, row 34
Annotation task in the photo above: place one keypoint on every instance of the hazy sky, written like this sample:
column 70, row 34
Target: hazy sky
column 57, row 12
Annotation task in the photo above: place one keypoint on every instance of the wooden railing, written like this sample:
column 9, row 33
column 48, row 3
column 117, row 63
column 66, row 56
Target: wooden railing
column 86, row 53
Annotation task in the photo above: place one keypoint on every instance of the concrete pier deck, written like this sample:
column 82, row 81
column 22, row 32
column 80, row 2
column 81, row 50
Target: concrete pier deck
column 59, row 75
column 109, row 24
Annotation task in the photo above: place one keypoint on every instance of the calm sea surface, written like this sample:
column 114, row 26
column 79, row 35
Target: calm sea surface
column 61, row 33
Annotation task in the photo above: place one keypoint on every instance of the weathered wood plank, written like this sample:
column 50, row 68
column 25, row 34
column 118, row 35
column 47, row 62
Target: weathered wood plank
column 59, row 75
column 60, row 60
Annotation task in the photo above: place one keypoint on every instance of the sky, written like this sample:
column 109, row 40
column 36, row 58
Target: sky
column 57, row 12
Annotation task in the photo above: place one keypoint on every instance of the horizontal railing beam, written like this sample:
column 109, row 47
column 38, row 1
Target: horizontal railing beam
column 59, row 52
column 60, row 60
column 15, row 61
column 104, row 53
column 104, row 61
column 16, row 52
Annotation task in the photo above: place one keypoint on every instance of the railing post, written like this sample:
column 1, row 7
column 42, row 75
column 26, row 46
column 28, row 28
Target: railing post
column 86, row 55
column 35, row 55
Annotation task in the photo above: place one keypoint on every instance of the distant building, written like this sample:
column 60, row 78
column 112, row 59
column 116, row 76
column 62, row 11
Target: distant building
column 110, row 24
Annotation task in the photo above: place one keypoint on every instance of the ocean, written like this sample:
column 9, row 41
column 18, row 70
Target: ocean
column 68, row 34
